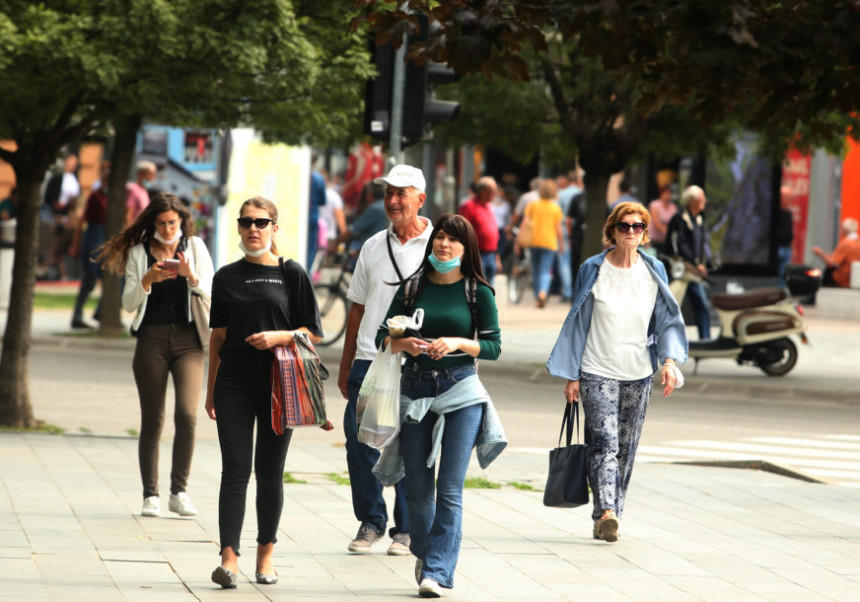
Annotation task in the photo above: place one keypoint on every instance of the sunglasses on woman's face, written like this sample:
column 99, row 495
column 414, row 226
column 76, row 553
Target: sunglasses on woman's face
column 260, row 222
column 624, row 227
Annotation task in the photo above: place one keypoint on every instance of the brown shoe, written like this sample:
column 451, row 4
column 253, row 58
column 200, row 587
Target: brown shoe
column 364, row 540
column 399, row 545
column 607, row 528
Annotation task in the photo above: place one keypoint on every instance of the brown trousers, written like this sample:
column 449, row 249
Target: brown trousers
column 161, row 350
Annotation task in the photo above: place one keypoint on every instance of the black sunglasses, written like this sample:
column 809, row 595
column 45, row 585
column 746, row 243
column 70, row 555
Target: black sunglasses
column 624, row 227
column 260, row 222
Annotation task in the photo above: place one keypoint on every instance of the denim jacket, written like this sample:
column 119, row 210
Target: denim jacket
column 470, row 391
column 667, row 335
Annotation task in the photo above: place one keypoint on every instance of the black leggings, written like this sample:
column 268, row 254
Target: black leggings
column 242, row 394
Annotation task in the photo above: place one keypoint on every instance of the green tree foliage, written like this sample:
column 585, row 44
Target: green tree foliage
column 572, row 107
column 784, row 69
column 72, row 67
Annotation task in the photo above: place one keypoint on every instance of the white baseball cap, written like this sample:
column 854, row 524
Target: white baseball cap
column 404, row 176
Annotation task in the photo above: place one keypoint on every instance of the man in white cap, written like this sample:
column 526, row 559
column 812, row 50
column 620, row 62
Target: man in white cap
column 387, row 257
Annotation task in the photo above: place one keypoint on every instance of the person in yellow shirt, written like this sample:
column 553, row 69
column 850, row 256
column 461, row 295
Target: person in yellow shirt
column 545, row 216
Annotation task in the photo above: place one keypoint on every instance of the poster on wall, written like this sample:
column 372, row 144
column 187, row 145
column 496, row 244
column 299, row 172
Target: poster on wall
column 740, row 206
column 198, row 147
column 795, row 193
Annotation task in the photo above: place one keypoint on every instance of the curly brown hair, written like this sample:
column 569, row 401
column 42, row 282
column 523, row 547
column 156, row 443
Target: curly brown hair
column 114, row 253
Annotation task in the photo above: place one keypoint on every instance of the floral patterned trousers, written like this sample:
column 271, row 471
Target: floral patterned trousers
column 614, row 415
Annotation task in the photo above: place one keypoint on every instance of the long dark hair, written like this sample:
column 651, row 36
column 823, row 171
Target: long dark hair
column 114, row 253
column 460, row 228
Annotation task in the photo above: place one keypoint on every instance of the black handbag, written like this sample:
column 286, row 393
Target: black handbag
column 567, row 482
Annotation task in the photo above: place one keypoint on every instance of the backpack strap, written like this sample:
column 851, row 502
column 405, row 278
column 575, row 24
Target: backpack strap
column 410, row 289
column 471, row 285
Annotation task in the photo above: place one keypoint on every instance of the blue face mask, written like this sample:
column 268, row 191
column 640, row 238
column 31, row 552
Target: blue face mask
column 443, row 267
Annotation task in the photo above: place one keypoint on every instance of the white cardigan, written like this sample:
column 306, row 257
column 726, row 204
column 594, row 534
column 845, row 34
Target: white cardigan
column 134, row 296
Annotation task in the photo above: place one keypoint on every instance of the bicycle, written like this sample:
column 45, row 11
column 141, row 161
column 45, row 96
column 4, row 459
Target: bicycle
column 332, row 302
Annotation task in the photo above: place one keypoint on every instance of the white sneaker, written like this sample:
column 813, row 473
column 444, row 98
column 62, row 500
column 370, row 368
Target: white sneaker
column 151, row 506
column 429, row 589
column 181, row 504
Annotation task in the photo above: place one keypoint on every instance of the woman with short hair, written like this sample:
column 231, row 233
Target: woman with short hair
column 624, row 324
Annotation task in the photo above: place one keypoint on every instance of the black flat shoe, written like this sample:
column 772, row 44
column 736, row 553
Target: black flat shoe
column 224, row 578
column 267, row 579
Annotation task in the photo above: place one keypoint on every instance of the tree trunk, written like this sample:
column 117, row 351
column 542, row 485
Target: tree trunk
column 596, row 187
column 15, row 408
column 125, row 137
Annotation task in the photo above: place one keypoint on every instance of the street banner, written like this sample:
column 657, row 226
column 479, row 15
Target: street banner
column 795, row 190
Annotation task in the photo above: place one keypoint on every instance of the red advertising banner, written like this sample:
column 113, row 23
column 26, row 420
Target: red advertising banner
column 795, row 194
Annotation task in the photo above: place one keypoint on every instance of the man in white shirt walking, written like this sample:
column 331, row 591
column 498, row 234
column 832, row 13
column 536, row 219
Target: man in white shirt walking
column 386, row 257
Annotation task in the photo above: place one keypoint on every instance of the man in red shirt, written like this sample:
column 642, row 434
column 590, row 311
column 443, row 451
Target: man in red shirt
column 480, row 214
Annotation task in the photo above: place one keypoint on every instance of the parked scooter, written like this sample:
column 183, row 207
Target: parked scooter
column 755, row 326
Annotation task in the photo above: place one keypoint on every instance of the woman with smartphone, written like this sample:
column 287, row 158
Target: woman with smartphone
column 258, row 302
column 164, row 264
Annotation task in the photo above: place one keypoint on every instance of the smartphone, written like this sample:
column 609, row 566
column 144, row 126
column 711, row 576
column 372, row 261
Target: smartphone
column 170, row 264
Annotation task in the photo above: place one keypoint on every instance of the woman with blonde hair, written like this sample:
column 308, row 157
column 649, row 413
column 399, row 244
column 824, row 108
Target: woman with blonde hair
column 258, row 302
column 164, row 265
column 546, row 217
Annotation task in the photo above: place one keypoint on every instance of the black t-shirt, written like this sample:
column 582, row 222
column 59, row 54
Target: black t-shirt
column 784, row 228
column 248, row 298
column 168, row 299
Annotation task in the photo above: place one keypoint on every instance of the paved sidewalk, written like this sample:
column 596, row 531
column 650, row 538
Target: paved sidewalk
column 70, row 527
column 71, row 530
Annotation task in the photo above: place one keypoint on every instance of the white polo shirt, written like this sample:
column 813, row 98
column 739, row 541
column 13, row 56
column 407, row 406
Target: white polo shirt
column 372, row 271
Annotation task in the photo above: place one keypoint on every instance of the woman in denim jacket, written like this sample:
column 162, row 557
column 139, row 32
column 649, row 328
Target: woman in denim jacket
column 623, row 325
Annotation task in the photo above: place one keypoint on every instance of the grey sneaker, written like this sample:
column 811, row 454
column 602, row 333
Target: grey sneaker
column 419, row 566
column 151, row 506
column 364, row 539
column 399, row 545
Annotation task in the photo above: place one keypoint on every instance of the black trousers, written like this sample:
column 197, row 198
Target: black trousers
column 242, row 397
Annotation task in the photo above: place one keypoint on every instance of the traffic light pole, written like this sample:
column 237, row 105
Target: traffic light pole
column 398, row 84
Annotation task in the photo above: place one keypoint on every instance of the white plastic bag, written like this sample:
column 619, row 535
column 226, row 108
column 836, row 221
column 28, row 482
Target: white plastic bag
column 378, row 406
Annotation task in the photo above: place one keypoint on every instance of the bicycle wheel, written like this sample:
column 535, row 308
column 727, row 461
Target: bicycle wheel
column 333, row 313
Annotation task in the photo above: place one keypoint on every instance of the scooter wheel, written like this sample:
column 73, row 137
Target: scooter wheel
column 787, row 351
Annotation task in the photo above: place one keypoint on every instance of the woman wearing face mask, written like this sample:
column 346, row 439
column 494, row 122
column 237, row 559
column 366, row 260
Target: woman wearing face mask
column 253, row 309
column 167, row 340
column 439, row 385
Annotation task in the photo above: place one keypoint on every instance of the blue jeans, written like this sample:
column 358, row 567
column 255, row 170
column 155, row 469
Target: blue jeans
column 565, row 275
column 699, row 301
column 437, row 519
column 488, row 262
column 367, row 501
column 541, row 268
column 783, row 255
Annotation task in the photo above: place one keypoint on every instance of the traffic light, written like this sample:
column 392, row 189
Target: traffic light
column 377, row 94
column 421, row 110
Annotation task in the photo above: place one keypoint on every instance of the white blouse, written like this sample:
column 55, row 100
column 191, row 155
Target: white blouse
column 624, row 300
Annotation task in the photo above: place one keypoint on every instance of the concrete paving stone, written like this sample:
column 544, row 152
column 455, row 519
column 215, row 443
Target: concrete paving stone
column 52, row 544
column 657, row 560
column 709, row 587
column 589, row 591
column 12, row 541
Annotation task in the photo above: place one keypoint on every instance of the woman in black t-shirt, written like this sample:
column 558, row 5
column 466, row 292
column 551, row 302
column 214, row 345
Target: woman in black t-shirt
column 252, row 311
